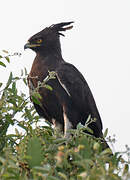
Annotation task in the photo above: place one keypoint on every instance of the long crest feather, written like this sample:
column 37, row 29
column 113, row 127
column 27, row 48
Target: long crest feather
column 60, row 26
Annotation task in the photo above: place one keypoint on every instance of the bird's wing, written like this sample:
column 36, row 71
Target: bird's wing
column 77, row 88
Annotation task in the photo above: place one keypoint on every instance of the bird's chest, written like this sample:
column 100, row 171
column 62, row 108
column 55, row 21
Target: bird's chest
column 36, row 82
column 38, row 73
column 51, row 107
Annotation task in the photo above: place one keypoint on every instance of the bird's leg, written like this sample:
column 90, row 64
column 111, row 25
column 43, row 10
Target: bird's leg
column 67, row 125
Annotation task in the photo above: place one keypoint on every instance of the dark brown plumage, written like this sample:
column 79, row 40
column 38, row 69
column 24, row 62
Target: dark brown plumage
column 71, row 100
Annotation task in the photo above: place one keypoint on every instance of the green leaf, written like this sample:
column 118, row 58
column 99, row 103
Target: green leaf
column 80, row 126
column 14, row 87
column 89, row 130
column 126, row 169
column 7, row 58
column 106, row 151
column 34, row 152
column 37, row 95
column 105, row 133
column 25, row 70
column 9, row 80
column 12, row 101
column 1, row 84
column 25, row 81
column 96, row 146
column 2, row 64
column 1, row 56
column 35, row 100
column 48, row 87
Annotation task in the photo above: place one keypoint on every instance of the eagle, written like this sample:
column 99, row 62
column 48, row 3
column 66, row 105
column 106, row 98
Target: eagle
column 70, row 101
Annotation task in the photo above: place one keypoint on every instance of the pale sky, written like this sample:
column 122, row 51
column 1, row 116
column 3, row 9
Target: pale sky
column 98, row 45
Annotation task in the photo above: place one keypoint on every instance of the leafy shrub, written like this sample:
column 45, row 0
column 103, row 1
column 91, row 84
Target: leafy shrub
column 41, row 153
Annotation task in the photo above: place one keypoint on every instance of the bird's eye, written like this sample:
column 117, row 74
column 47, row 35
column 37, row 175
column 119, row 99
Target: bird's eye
column 39, row 40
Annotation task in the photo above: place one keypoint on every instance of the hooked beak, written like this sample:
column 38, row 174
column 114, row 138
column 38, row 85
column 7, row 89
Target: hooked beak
column 29, row 45
column 26, row 46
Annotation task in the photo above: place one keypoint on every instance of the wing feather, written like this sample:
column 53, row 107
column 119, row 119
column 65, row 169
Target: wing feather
column 77, row 88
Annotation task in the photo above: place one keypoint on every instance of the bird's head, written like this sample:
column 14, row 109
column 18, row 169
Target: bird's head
column 48, row 38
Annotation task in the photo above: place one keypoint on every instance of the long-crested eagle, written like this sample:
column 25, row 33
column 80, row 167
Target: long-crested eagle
column 71, row 100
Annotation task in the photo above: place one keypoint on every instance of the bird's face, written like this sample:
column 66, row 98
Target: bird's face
column 48, row 38
column 42, row 40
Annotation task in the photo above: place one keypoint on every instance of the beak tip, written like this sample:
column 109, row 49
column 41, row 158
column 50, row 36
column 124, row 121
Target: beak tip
column 25, row 46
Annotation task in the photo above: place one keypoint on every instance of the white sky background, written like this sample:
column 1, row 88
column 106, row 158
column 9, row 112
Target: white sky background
column 98, row 45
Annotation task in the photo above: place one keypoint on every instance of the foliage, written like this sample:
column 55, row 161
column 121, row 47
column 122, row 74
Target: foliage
column 40, row 153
